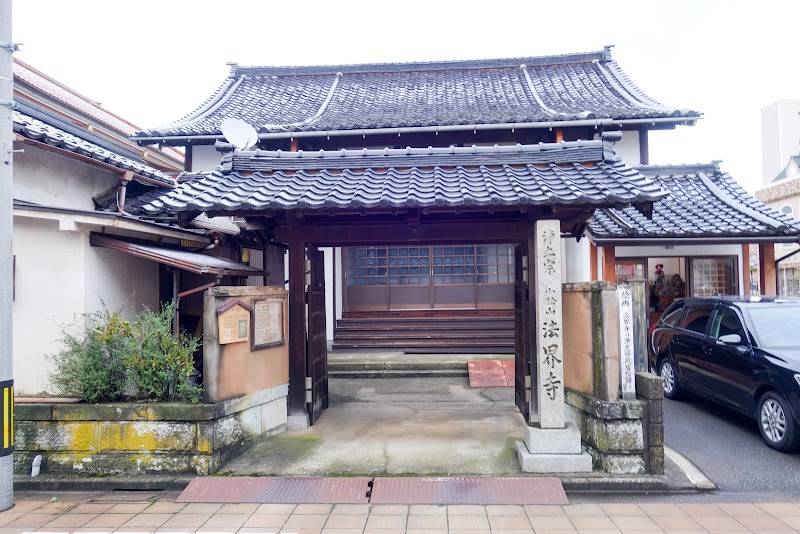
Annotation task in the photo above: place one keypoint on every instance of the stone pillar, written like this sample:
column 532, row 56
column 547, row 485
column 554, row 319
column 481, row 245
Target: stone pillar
column 626, row 343
column 552, row 445
column 549, row 330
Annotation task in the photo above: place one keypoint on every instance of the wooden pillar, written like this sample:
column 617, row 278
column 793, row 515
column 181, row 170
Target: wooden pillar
column 609, row 265
column 559, row 135
column 592, row 261
column 745, row 269
column 297, row 412
column 767, row 275
column 294, row 144
column 644, row 147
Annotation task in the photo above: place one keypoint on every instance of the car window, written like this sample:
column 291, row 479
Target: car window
column 777, row 325
column 726, row 322
column 696, row 318
column 672, row 315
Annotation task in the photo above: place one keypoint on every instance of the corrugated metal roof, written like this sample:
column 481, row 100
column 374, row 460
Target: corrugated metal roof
column 181, row 259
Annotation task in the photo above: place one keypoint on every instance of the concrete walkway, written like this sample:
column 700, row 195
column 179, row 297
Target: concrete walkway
column 140, row 512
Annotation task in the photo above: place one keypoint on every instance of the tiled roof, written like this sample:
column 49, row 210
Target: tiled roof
column 73, row 99
column 285, row 100
column 37, row 130
column 24, row 74
column 570, row 173
column 703, row 202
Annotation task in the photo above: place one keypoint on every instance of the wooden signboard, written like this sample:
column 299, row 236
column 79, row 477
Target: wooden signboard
column 268, row 323
column 233, row 322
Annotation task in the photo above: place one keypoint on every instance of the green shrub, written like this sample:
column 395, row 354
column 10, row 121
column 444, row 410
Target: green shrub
column 110, row 355
column 162, row 362
column 93, row 363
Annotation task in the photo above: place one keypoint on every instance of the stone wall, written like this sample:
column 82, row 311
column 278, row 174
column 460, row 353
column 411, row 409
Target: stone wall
column 146, row 438
column 623, row 437
column 611, row 431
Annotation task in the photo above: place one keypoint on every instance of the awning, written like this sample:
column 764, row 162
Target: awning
column 182, row 259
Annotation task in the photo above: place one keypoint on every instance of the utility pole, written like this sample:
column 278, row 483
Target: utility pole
column 6, row 269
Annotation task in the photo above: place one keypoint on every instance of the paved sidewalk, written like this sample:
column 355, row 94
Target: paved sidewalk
column 141, row 512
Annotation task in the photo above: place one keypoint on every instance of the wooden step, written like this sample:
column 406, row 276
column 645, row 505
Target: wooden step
column 426, row 334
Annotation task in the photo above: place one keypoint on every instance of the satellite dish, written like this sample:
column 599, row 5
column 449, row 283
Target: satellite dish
column 239, row 133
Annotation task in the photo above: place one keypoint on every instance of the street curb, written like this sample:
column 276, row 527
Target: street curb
column 692, row 473
column 44, row 483
column 104, row 484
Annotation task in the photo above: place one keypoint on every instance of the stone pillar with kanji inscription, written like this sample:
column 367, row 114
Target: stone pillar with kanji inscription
column 551, row 444
column 549, row 343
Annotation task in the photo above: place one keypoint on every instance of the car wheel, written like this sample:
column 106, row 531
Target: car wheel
column 776, row 422
column 667, row 372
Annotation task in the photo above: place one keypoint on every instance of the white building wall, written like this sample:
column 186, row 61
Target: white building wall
column 628, row 147
column 48, row 179
column 328, row 253
column 576, row 266
column 49, row 293
column 119, row 280
column 205, row 158
column 780, row 136
column 59, row 279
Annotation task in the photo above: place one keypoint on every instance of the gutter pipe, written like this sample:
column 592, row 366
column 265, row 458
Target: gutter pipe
column 433, row 129
column 622, row 242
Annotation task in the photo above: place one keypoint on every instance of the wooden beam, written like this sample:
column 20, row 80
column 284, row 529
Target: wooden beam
column 353, row 235
column 767, row 274
column 296, row 402
column 609, row 265
column 746, row 269
column 593, row 261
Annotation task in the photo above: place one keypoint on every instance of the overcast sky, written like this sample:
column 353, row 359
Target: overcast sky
column 152, row 62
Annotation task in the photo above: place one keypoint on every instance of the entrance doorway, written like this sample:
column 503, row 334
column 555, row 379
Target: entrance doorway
column 389, row 278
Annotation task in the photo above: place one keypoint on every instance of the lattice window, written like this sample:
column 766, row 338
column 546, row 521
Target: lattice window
column 454, row 264
column 789, row 282
column 713, row 276
column 495, row 264
column 366, row 266
column 630, row 270
column 409, row 265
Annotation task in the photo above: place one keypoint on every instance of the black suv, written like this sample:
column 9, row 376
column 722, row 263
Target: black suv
column 743, row 352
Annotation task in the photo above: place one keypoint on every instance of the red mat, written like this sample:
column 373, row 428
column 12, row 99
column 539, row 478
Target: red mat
column 491, row 373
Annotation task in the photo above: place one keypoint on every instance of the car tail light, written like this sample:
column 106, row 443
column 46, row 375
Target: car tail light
column 652, row 329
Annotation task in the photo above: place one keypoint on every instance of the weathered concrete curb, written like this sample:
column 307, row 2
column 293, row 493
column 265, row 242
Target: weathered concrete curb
column 572, row 484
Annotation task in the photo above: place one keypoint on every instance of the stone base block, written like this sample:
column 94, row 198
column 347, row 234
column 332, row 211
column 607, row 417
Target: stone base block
column 553, row 440
column 553, row 463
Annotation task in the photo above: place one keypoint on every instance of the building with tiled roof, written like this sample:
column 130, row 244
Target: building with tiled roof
column 493, row 101
column 783, row 194
column 331, row 139
column 74, row 169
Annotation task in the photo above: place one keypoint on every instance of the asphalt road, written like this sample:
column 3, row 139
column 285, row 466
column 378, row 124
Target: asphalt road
column 728, row 449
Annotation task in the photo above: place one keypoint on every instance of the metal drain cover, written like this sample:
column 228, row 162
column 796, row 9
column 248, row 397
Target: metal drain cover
column 277, row 490
column 469, row 490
